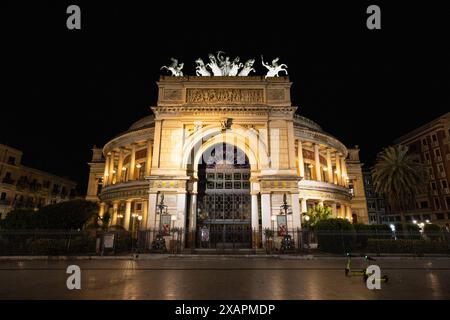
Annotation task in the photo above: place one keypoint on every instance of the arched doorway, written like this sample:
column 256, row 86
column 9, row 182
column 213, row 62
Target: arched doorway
column 224, row 201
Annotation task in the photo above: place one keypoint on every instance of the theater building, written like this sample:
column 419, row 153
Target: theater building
column 223, row 153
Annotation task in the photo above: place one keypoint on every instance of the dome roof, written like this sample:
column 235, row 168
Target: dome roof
column 145, row 122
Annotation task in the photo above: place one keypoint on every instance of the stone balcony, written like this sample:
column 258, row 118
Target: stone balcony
column 135, row 189
column 323, row 190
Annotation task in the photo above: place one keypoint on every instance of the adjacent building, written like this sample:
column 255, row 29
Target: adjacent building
column 28, row 188
column 376, row 205
column 431, row 145
column 224, row 153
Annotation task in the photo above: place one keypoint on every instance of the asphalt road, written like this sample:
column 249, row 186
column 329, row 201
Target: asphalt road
column 223, row 278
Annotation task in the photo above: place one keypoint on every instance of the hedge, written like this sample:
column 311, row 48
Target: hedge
column 335, row 235
column 407, row 246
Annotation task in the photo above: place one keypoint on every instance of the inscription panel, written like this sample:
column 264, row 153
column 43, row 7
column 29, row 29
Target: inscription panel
column 217, row 96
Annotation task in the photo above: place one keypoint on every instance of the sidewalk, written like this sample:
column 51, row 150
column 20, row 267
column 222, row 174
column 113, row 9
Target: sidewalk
column 158, row 256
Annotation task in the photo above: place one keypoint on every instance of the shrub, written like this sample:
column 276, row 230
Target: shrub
column 407, row 231
column 432, row 231
column 407, row 246
column 335, row 235
column 362, row 234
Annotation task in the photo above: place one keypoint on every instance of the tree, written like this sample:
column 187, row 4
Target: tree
column 62, row 216
column 20, row 219
column 398, row 177
column 318, row 213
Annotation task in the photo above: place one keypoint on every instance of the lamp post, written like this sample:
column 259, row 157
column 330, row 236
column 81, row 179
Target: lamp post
column 285, row 209
column 161, row 207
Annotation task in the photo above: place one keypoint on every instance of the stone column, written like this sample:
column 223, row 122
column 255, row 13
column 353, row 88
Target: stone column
column 148, row 163
column 193, row 212
column 255, row 218
column 106, row 171
column 114, row 214
column 344, row 172
column 349, row 212
column 144, row 221
column 156, row 144
column 304, row 205
column 334, row 209
column 301, row 163
column 111, row 168
column 193, row 219
column 317, row 162
column 132, row 163
column 296, row 214
column 127, row 217
column 181, row 210
column 255, row 221
column 329, row 167
column 120, row 166
column 151, row 221
column 266, row 211
column 342, row 213
column 338, row 170
column 101, row 210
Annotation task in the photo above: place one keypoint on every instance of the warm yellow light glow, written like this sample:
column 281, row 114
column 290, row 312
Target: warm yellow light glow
column 310, row 166
column 336, row 172
column 123, row 168
column 113, row 171
column 107, row 175
column 325, row 169
column 138, row 165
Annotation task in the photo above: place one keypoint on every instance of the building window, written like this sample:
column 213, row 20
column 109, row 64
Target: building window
column 424, row 204
column 437, row 153
column 447, row 202
column 437, row 205
column 433, row 186
column 138, row 206
column 426, row 217
column 308, row 172
column 12, row 160
column 440, row 216
column 444, row 184
column 3, row 196
column 440, row 168
column 434, row 137
column 427, row 156
column 424, row 141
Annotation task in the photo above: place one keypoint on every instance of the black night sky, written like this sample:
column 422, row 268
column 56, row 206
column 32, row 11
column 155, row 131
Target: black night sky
column 64, row 91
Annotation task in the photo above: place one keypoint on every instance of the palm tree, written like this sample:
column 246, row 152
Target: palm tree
column 399, row 177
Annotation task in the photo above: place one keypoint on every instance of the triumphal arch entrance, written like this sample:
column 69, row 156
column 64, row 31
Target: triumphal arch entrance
column 223, row 157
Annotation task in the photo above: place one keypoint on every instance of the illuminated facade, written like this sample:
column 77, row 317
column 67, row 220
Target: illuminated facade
column 223, row 151
column 23, row 187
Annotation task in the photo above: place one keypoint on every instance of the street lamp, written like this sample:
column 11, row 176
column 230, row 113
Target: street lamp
column 161, row 207
column 285, row 209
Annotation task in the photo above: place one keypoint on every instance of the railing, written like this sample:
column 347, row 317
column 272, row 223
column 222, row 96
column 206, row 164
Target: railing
column 270, row 241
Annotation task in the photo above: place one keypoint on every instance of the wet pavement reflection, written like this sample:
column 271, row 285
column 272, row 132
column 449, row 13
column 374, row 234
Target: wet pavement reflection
column 223, row 278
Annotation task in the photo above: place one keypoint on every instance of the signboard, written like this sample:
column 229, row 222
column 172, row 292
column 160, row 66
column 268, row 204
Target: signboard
column 165, row 224
column 205, row 234
column 108, row 241
column 282, row 225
